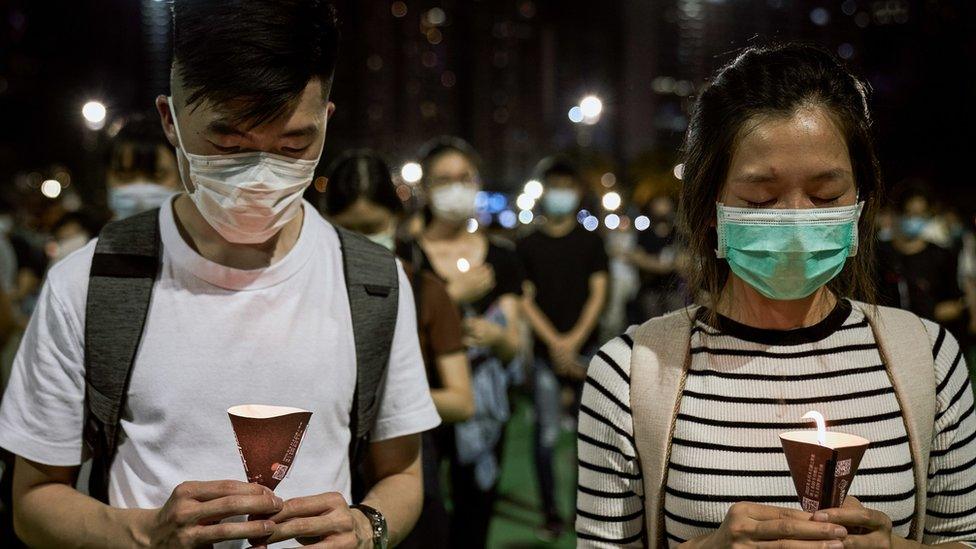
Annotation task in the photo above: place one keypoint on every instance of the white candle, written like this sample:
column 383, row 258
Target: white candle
column 821, row 425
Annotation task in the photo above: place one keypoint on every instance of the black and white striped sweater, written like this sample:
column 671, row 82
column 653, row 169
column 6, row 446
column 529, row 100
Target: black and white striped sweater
column 745, row 387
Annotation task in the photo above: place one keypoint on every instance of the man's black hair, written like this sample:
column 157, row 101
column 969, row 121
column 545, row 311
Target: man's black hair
column 253, row 57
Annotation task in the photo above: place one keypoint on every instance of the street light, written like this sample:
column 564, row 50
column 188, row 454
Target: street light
column 576, row 115
column 611, row 201
column 587, row 112
column 51, row 188
column 411, row 172
column 534, row 189
column 94, row 113
column 591, row 106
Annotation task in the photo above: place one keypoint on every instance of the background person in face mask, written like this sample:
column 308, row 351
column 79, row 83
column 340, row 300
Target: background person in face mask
column 142, row 170
column 361, row 197
column 70, row 233
column 566, row 270
column 914, row 273
column 484, row 279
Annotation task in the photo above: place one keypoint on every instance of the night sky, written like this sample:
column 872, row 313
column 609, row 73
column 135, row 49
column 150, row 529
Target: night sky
column 503, row 73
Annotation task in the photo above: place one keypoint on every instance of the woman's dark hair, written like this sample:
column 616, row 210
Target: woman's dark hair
column 773, row 80
column 357, row 174
column 558, row 165
column 135, row 146
column 435, row 148
column 259, row 54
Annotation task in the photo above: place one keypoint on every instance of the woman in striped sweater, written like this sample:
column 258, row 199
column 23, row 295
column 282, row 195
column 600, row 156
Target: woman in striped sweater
column 780, row 188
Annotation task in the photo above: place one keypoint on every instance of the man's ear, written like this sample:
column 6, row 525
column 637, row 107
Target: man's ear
column 321, row 182
column 166, row 120
column 330, row 110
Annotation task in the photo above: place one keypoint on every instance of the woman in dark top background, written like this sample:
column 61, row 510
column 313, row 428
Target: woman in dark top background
column 360, row 196
column 484, row 278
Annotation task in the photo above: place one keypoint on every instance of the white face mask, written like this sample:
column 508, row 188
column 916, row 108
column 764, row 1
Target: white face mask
column 246, row 197
column 454, row 202
column 133, row 198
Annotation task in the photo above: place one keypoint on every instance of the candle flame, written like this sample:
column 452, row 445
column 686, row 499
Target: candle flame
column 821, row 426
column 463, row 265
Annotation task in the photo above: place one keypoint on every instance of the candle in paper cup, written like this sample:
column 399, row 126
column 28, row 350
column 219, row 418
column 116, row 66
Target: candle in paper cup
column 268, row 438
column 822, row 463
column 463, row 265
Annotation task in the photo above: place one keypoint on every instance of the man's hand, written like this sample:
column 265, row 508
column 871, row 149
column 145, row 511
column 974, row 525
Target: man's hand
column 191, row 517
column 869, row 528
column 755, row 525
column 320, row 521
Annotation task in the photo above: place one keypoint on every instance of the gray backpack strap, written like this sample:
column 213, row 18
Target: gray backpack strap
column 373, row 286
column 658, row 369
column 906, row 351
column 120, row 284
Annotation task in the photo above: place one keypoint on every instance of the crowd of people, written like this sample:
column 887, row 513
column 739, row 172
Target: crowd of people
column 223, row 276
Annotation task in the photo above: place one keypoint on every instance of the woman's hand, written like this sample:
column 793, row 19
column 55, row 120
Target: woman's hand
column 481, row 332
column 755, row 525
column 869, row 528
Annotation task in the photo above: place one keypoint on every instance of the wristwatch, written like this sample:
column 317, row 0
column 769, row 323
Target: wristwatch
column 381, row 536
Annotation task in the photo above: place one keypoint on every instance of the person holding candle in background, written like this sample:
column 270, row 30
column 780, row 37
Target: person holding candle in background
column 484, row 278
column 780, row 188
column 361, row 197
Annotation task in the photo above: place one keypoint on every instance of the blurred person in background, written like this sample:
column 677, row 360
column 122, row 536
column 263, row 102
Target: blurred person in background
column 565, row 292
column 484, row 279
column 915, row 273
column 658, row 258
column 8, row 256
column 9, row 317
column 69, row 234
column 360, row 196
column 142, row 171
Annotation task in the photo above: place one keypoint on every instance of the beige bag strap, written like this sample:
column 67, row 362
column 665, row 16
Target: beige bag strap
column 904, row 345
column 658, row 367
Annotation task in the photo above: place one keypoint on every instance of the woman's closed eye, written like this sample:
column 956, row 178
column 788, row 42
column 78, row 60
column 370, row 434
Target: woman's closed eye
column 826, row 201
column 765, row 204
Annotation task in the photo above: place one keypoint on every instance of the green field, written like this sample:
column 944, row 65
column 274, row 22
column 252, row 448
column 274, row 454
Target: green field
column 517, row 512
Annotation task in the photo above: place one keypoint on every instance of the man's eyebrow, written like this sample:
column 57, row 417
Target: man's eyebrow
column 308, row 131
column 223, row 128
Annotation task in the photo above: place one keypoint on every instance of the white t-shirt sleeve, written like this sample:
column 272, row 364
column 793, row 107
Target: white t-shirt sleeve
column 43, row 407
column 406, row 407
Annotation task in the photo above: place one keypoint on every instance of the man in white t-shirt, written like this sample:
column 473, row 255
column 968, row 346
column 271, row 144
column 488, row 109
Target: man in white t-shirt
column 249, row 307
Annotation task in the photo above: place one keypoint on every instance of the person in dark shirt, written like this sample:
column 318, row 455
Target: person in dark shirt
column 360, row 196
column 484, row 279
column 566, row 290
column 916, row 274
column 658, row 258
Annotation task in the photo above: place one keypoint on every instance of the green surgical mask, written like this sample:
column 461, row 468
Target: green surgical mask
column 787, row 254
